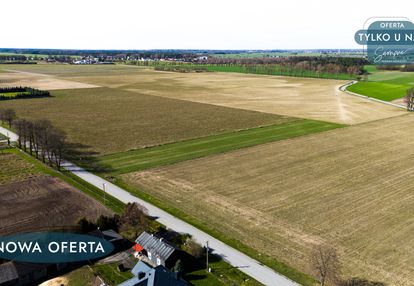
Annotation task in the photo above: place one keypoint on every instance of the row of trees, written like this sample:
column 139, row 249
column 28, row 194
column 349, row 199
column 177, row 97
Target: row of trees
column 403, row 68
column 316, row 64
column 294, row 66
column 43, row 139
column 182, row 69
column 22, row 92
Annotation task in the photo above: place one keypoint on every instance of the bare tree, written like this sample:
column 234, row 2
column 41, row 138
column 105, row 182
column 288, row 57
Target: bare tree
column 42, row 130
column 8, row 115
column 325, row 264
column 193, row 248
column 41, row 136
column 56, row 146
column 21, row 126
column 135, row 216
column 410, row 99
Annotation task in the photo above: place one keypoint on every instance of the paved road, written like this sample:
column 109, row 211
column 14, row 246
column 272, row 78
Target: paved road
column 234, row 257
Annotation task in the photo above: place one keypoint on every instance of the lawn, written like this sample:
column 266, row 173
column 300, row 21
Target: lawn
column 81, row 277
column 284, row 197
column 172, row 153
column 110, row 273
column 222, row 274
column 384, row 85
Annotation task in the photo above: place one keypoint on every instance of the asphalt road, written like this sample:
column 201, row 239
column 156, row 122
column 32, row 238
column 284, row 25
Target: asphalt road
column 232, row 256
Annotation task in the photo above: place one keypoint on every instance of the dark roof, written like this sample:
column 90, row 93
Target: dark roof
column 163, row 277
column 109, row 235
column 157, row 246
column 8, row 272
column 147, row 276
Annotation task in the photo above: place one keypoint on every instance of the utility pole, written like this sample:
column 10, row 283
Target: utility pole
column 207, row 251
column 103, row 188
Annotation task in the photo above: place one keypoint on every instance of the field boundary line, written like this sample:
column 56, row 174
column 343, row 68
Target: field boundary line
column 344, row 88
column 234, row 257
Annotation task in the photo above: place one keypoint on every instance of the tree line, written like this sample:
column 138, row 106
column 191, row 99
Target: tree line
column 41, row 139
column 22, row 92
column 402, row 68
column 38, row 137
column 328, row 67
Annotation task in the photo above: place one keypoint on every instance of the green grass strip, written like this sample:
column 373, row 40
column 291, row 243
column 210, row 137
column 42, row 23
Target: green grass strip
column 379, row 90
column 141, row 159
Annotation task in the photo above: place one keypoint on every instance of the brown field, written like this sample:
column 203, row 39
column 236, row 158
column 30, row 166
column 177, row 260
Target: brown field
column 39, row 81
column 351, row 188
column 298, row 97
column 32, row 201
column 110, row 120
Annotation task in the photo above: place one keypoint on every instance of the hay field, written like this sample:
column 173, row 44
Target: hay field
column 107, row 120
column 351, row 188
column 298, row 97
column 30, row 200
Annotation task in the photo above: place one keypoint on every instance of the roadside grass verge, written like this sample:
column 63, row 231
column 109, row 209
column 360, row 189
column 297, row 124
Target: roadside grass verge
column 269, row 261
column 222, row 274
column 131, row 161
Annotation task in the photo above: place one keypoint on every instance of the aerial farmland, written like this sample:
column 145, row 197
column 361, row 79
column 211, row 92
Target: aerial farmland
column 281, row 163
column 219, row 143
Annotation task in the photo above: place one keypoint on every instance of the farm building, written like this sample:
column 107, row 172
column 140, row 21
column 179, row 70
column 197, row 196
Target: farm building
column 158, row 251
column 145, row 275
